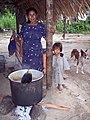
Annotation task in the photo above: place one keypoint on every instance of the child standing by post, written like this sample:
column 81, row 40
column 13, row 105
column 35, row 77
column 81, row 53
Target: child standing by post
column 60, row 64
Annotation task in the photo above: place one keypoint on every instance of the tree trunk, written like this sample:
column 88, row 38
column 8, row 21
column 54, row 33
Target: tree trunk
column 49, row 21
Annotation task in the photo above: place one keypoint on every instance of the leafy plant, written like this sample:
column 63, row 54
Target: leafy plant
column 88, row 20
column 59, row 26
column 75, row 27
column 8, row 20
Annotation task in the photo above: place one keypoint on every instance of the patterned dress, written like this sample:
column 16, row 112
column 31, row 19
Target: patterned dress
column 32, row 47
column 60, row 64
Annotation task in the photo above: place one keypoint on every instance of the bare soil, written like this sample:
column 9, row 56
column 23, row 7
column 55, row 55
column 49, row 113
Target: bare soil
column 77, row 96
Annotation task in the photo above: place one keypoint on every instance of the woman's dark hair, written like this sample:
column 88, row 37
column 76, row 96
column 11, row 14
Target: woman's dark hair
column 57, row 45
column 31, row 9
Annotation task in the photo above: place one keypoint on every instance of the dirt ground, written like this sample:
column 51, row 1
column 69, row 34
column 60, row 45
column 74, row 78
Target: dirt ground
column 77, row 96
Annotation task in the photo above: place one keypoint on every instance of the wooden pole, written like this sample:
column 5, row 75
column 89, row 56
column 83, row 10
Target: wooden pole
column 49, row 35
column 64, row 28
column 17, row 24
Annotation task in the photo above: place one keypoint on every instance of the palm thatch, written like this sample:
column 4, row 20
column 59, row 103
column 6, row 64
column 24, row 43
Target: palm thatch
column 66, row 7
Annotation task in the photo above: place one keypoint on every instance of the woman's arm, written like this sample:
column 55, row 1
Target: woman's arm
column 21, row 48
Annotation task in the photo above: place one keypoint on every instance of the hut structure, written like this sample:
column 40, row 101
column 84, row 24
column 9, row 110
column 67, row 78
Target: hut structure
column 49, row 11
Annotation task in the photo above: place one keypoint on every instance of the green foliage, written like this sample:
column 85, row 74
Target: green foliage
column 8, row 20
column 59, row 26
column 75, row 27
column 88, row 20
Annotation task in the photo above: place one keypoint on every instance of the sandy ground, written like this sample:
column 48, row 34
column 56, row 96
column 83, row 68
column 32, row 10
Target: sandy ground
column 77, row 96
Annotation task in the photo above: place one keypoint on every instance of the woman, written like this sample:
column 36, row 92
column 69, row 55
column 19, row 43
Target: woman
column 31, row 33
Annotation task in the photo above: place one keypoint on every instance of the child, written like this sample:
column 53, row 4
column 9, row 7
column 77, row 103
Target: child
column 60, row 64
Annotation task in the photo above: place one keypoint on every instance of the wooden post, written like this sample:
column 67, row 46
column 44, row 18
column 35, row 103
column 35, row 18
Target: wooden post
column 49, row 21
column 17, row 24
column 64, row 28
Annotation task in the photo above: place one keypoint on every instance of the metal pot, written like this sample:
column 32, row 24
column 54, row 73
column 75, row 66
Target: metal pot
column 29, row 93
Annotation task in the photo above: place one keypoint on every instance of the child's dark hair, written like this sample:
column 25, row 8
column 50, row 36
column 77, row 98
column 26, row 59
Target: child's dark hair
column 31, row 9
column 57, row 45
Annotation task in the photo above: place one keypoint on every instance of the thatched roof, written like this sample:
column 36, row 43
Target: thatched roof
column 65, row 7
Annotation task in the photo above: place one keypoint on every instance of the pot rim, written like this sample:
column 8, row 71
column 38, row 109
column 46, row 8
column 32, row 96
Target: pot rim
column 24, row 71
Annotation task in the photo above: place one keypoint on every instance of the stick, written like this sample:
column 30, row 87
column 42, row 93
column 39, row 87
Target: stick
column 54, row 106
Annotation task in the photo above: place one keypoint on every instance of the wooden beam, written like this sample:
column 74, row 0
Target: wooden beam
column 49, row 21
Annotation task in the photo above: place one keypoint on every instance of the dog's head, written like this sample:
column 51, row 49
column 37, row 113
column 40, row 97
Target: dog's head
column 84, row 54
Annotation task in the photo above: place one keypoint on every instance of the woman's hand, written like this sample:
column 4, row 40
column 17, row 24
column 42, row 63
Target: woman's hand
column 51, row 30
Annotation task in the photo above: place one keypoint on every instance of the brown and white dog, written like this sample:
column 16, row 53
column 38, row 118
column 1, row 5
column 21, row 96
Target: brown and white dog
column 79, row 56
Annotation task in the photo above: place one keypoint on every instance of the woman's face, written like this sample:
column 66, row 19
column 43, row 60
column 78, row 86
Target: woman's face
column 57, row 51
column 32, row 16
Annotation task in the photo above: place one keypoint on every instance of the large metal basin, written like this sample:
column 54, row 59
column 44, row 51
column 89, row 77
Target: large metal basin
column 29, row 93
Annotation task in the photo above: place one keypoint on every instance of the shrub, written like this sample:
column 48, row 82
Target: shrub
column 75, row 27
column 59, row 26
column 8, row 20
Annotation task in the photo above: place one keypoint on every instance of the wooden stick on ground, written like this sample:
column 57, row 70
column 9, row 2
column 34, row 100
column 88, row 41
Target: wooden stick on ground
column 54, row 106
